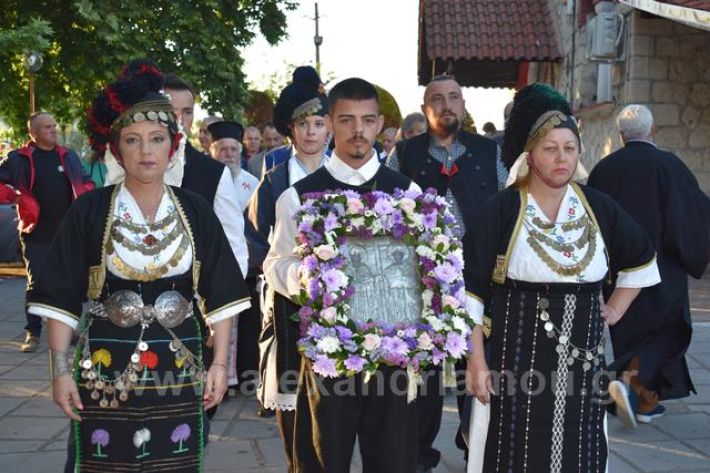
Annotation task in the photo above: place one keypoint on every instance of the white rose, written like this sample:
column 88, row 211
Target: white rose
column 324, row 252
column 371, row 342
column 440, row 239
column 328, row 344
column 435, row 323
column 376, row 226
column 357, row 221
column 417, row 220
column 328, row 314
column 407, row 204
column 424, row 342
column 460, row 324
column 427, row 296
column 450, row 301
column 425, row 252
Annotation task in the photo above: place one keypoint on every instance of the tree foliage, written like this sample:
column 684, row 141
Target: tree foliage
column 85, row 43
column 259, row 109
column 389, row 108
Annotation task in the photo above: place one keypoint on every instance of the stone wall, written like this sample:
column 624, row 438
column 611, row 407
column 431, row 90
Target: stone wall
column 667, row 67
column 670, row 66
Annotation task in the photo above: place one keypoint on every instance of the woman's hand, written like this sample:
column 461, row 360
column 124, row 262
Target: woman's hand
column 66, row 395
column 215, row 386
column 478, row 379
column 610, row 314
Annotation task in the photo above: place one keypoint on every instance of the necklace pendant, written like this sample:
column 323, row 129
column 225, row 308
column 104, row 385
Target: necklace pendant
column 150, row 240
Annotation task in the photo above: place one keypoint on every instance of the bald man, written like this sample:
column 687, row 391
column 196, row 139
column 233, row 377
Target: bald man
column 43, row 179
column 205, row 137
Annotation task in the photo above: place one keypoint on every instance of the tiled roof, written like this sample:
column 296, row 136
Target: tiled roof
column 696, row 4
column 489, row 30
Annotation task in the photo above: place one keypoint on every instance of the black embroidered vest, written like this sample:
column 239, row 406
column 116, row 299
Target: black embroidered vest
column 475, row 180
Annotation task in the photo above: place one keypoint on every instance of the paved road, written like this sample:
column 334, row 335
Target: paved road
column 33, row 432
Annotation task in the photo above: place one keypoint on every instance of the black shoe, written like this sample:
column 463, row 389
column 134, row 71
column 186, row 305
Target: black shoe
column 262, row 412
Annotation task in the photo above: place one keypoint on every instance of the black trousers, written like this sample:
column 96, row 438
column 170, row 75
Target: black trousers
column 34, row 255
column 332, row 413
column 248, row 339
column 430, row 404
column 286, row 420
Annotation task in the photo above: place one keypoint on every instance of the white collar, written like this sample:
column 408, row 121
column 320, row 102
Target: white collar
column 344, row 173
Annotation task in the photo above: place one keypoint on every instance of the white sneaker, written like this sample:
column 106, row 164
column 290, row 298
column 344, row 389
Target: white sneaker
column 625, row 403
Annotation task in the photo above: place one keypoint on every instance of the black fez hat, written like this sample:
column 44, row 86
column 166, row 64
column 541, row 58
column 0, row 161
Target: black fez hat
column 530, row 104
column 301, row 98
column 220, row 130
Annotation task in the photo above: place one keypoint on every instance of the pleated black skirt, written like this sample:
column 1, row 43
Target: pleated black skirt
column 550, row 380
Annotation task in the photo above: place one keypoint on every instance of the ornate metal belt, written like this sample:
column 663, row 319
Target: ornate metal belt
column 126, row 309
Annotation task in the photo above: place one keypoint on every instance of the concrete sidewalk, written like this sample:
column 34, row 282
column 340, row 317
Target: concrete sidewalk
column 33, row 432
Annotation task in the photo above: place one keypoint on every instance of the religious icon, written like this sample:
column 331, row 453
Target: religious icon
column 384, row 273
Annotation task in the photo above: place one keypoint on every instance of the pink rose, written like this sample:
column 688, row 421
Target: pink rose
column 324, row 252
column 451, row 301
column 355, row 206
column 328, row 314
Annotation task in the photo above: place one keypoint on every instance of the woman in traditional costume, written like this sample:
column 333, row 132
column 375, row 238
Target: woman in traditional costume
column 151, row 259
column 536, row 265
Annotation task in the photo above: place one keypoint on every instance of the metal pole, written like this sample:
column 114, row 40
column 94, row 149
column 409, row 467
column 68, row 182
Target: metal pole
column 32, row 92
column 317, row 40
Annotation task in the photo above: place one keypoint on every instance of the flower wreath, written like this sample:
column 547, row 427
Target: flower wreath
column 340, row 346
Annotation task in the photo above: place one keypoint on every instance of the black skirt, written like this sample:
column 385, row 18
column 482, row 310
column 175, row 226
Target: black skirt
column 160, row 426
column 548, row 411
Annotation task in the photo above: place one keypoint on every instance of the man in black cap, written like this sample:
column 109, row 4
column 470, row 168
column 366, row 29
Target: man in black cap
column 226, row 148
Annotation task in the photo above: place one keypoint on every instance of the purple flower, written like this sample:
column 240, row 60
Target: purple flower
column 355, row 363
column 317, row 331
column 313, row 289
column 330, row 223
column 344, row 333
column 310, row 263
column 100, row 436
column 383, row 206
column 311, row 351
column 446, row 273
column 412, row 194
column 455, row 262
column 428, row 282
column 325, row 367
column 305, row 311
column 181, row 432
column 333, row 279
column 398, row 231
column 455, row 344
column 427, row 264
column 436, row 304
column 429, row 220
column 437, row 356
column 394, row 346
column 305, row 227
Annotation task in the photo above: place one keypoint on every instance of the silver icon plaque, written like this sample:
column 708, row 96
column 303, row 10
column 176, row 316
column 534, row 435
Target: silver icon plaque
column 385, row 275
